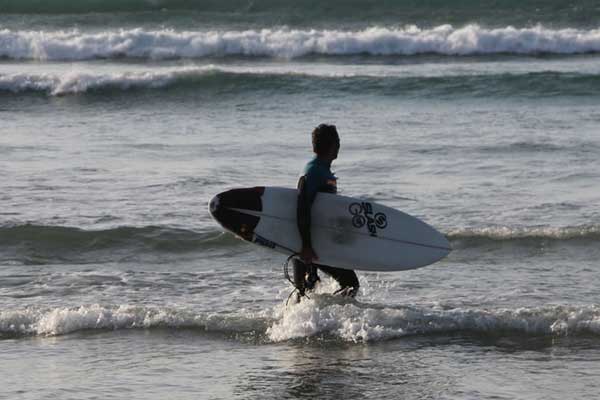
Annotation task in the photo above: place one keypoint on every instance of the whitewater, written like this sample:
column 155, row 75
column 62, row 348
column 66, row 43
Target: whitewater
column 291, row 43
column 324, row 316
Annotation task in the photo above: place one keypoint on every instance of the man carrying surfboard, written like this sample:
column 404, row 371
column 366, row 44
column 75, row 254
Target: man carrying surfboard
column 317, row 177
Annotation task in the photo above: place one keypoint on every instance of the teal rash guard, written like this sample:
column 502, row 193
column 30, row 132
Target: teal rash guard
column 316, row 177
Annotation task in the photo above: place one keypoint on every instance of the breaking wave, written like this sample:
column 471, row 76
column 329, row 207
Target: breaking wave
column 322, row 316
column 236, row 80
column 288, row 43
column 361, row 322
column 64, row 320
column 80, row 82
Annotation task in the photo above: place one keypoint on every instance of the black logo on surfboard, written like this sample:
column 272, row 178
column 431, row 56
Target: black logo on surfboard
column 362, row 214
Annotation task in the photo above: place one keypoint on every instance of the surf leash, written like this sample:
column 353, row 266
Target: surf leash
column 286, row 273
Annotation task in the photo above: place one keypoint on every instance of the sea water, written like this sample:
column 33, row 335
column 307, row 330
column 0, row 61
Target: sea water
column 119, row 120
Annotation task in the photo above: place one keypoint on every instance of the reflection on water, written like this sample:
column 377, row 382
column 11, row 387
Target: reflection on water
column 333, row 370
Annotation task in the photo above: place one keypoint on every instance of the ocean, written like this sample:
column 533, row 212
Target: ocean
column 119, row 120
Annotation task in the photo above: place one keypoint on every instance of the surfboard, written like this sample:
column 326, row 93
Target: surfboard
column 346, row 232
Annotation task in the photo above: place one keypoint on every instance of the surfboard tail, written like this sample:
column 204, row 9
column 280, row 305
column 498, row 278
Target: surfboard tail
column 222, row 208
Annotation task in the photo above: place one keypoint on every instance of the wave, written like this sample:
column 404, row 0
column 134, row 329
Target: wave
column 591, row 232
column 321, row 316
column 524, row 236
column 356, row 322
column 80, row 82
column 213, row 79
column 290, row 43
column 43, row 244
column 63, row 320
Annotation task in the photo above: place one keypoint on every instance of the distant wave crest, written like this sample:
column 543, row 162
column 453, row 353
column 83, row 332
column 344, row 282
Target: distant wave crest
column 524, row 235
column 81, row 82
column 212, row 78
column 286, row 43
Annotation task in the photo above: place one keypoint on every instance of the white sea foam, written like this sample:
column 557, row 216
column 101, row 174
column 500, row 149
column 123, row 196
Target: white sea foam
column 287, row 43
column 63, row 320
column 321, row 315
column 359, row 322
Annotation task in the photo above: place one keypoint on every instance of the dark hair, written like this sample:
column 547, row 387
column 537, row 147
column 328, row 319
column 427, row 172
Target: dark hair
column 323, row 137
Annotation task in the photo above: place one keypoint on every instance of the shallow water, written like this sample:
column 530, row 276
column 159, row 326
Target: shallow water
column 115, row 282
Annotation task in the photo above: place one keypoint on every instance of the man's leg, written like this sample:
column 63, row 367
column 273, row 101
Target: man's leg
column 299, row 275
column 346, row 278
column 305, row 276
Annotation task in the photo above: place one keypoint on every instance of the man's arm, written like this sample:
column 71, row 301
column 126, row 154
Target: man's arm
column 307, row 192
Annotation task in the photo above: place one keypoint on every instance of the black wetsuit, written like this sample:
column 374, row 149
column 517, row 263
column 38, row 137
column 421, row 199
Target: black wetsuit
column 317, row 177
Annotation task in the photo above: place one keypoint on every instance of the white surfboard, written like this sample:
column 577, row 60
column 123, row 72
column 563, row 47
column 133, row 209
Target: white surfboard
column 346, row 232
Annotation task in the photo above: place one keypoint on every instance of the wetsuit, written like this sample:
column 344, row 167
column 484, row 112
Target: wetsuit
column 317, row 177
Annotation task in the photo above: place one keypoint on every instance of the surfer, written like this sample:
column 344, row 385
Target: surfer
column 317, row 177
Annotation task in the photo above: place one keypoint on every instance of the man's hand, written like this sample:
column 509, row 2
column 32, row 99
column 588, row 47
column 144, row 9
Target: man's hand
column 308, row 255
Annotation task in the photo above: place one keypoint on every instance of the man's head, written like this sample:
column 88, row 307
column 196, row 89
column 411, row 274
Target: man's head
column 326, row 141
